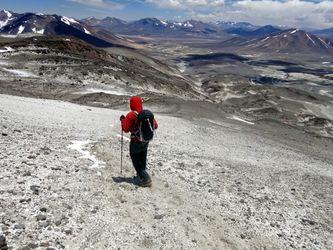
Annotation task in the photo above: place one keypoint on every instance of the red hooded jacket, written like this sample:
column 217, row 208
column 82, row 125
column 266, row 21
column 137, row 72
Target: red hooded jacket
column 131, row 123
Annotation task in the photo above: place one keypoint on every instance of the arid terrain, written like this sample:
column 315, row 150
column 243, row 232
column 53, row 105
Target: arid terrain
column 242, row 158
column 218, row 184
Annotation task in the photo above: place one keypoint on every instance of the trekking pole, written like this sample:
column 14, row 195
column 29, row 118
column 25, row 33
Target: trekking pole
column 121, row 154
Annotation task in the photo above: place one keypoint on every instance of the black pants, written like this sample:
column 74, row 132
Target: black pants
column 138, row 153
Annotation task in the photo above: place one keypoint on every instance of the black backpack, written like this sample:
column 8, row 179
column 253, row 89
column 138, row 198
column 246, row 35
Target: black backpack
column 146, row 126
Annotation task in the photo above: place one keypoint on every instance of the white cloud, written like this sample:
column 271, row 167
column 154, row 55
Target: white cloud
column 100, row 3
column 291, row 13
column 187, row 4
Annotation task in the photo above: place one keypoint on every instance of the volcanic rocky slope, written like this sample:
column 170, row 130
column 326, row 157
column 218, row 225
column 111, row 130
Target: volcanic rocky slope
column 66, row 68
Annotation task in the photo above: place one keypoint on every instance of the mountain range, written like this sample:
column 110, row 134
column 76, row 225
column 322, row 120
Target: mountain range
column 30, row 23
column 103, row 32
column 287, row 41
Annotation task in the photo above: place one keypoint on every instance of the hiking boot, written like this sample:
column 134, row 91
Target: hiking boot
column 147, row 183
column 137, row 179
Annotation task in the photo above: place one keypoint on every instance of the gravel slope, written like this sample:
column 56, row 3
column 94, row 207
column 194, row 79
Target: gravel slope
column 221, row 185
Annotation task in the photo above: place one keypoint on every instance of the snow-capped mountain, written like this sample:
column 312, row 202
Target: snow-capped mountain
column 153, row 26
column 288, row 41
column 106, row 23
column 31, row 23
column 7, row 17
column 40, row 24
column 225, row 25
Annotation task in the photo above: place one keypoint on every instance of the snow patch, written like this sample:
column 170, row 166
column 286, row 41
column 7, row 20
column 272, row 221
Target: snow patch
column 8, row 13
column 112, row 68
column 326, row 93
column 34, row 30
column 294, row 31
column 3, row 23
column 240, row 119
column 231, row 96
column 20, row 73
column 7, row 49
column 188, row 24
column 68, row 21
column 79, row 146
column 265, row 39
column 119, row 92
column 311, row 39
column 21, row 29
column 182, row 66
column 86, row 31
column 325, row 43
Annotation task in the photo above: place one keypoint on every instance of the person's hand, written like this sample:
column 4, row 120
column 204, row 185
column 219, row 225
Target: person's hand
column 122, row 117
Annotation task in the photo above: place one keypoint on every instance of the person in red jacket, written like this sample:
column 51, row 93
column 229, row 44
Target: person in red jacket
column 138, row 149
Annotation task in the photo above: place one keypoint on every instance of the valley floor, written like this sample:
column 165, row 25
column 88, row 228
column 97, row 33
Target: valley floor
column 222, row 184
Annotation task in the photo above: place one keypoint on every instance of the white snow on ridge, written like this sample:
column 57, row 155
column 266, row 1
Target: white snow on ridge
column 310, row 39
column 21, row 29
column 294, row 31
column 8, row 13
column 79, row 146
column 86, row 31
column 188, row 24
column 325, row 43
column 5, row 22
column 68, row 21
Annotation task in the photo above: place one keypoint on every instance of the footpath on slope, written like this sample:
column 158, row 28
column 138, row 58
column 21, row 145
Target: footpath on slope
column 215, row 186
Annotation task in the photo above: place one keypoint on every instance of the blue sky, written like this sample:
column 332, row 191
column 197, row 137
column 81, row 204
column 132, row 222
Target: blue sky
column 292, row 13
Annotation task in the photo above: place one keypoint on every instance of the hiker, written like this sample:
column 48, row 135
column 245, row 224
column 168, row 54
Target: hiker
column 139, row 145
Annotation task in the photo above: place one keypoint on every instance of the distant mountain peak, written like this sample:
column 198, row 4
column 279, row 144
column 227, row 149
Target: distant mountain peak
column 7, row 12
column 287, row 41
column 69, row 21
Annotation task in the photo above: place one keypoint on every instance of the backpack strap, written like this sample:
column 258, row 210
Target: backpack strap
column 136, row 134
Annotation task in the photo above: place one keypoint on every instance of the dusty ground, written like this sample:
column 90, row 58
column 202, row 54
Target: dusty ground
column 218, row 184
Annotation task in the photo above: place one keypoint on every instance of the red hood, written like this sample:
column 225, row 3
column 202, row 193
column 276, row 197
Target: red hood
column 136, row 104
